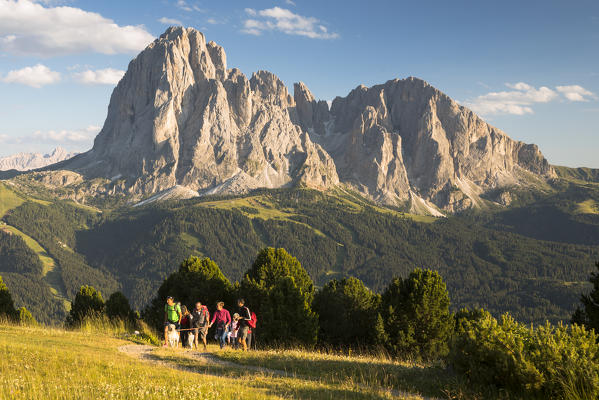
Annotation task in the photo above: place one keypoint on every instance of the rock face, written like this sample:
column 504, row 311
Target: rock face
column 180, row 118
column 29, row 161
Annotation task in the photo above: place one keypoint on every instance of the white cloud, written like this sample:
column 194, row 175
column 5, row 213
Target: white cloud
column 36, row 76
column 107, row 76
column 29, row 28
column 290, row 2
column 283, row 20
column 71, row 138
column 575, row 93
column 518, row 101
column 169, row 21
column 67, row 136
column 182, row 4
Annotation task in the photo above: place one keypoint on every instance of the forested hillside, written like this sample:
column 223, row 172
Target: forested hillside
column 485, row 262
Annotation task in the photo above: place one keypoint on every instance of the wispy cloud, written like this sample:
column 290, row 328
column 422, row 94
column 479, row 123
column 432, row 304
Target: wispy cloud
column 79, row 138
column 29, row 28
column 187, row 6
column 182, row 4
column 521, row 99
column 37, row 76
column 290, row 2
column 576, row 93
column 517, row 101
column 68, row 136
column 169, row 21
column 283, row 20
column 107, row 76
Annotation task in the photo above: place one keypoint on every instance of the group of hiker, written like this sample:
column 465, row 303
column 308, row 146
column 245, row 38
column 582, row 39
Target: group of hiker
column 235, row 331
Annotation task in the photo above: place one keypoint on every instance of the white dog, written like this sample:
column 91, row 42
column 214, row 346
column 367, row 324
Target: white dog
column 190, row 338
column 173, row 336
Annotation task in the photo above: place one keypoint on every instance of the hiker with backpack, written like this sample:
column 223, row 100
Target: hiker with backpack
column 200, row 318
column 223, row 320
column 172, row 316
column 245, row 316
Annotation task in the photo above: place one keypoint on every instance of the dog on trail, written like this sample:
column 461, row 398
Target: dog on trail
column 190, row 338
column 173, row 336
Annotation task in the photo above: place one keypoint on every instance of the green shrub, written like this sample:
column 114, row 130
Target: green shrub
column 547, row 362
column 416, row 316
column 25, row 317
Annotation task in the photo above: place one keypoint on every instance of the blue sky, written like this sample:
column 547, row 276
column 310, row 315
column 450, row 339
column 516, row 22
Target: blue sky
column 530, row 68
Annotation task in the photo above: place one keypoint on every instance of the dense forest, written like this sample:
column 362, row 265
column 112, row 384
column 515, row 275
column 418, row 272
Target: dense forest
column 21, row 269
column 487, row 259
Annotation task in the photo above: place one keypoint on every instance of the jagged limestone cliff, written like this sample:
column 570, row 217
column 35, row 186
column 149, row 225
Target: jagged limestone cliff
column 180, row 119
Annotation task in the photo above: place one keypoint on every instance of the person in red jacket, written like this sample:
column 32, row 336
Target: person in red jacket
column 222, row 317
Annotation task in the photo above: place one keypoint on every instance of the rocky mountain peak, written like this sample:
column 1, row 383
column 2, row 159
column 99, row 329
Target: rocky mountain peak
column 180, row 118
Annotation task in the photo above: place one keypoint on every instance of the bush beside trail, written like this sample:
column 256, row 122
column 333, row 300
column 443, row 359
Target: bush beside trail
column 547, row 362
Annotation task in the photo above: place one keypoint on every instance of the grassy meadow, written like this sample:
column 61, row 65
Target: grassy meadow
column 51, row 363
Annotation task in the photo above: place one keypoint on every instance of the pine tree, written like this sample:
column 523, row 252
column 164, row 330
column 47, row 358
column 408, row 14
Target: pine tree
column 7, row 306
column 117, row 307
column 417, row 318
column 88, row 303
column 280, row 291
column 588, row 315
column 349, row 314
column 198, row 279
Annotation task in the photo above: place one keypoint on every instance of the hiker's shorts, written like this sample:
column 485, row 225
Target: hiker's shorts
column 242, row 333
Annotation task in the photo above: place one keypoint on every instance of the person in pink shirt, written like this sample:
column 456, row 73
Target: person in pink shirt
column 222, row 317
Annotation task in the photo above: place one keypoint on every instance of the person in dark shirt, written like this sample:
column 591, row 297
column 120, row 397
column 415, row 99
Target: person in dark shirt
column 185, row 325
column 244, row 317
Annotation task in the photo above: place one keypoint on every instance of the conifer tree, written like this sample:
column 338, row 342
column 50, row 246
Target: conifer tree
column 280, row 291
column 588, row 315
column 198, row 279
column 348, row 314
column 7, row 306
column 88, row 303
column 417, row 317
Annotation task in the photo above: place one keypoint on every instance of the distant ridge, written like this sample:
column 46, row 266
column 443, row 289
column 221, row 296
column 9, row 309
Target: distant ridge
column 29, row 161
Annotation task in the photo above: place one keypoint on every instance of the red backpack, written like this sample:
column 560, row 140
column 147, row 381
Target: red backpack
column 253, row 320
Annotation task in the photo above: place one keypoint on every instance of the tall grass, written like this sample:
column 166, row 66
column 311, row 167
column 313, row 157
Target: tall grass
column 137, row 331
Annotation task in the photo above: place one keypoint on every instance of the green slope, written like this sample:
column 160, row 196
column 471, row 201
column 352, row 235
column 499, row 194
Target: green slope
column 532, row 260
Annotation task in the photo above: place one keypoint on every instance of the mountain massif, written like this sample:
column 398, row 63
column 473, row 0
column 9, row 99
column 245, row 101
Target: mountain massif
column 180, row 118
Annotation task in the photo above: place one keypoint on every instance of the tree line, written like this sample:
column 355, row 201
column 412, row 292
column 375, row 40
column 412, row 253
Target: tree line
column 411, row 319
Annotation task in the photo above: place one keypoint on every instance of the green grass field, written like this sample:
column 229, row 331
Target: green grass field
column 589, row 206
column 50, row 272
column 8, row 200
column 50, row 363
